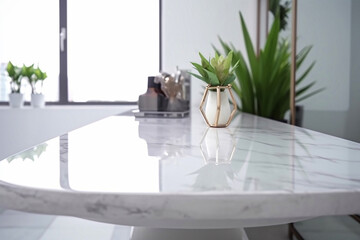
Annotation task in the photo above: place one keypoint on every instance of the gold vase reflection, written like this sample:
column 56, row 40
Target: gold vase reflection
column 215, row 146
column 218, row 172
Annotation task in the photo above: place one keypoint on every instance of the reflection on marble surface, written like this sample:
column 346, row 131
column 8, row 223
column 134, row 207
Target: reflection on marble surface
column 266, row 156
column 160, row 133
column 151, row 172
column 31, row 154
column 32, row 168
column 217, row 147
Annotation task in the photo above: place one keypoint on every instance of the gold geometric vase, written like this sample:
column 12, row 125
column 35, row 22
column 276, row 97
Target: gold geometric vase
column 217, row 112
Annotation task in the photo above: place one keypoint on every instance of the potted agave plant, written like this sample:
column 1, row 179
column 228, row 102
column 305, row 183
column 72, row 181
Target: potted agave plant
column 263, row 81
column 218, row 75
column 16, row 98
column 36, row 78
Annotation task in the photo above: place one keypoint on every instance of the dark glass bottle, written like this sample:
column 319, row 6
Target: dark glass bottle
column 153, row 99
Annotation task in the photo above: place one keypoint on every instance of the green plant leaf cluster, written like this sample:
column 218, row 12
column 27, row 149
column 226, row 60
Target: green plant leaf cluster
column 282, row 10
column 263, row 82
column 34, row 75
column 216, row 72
column 28, row 72
column 14, row 73
column 40, row 75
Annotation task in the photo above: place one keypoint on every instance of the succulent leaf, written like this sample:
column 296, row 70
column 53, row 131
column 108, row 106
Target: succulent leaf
column 216, row 71
column 214, row 81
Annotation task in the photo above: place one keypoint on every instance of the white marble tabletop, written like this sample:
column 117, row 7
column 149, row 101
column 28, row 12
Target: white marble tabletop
column 178, row 173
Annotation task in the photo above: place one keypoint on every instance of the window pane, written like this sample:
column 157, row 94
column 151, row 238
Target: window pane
column 29, row 35
column 112, row 47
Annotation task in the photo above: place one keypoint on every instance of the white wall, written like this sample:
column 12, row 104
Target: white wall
column 326, row 25
column 352, row 129
column 336, row 111
column 190, row 27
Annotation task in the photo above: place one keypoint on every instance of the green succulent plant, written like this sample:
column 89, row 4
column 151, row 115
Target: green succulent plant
column 14, row 73
column 216, row 72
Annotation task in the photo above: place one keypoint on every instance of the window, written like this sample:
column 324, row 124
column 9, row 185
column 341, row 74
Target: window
column 29, row 34
column 109, row 47
column 112, row 47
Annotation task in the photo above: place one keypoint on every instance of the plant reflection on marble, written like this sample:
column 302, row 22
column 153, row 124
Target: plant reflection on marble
column 218, row 172
column 215, row 149
column 32, row 153
column 213, row 177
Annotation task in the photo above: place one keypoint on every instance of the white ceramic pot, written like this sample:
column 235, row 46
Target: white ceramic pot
column 16, row 100
column 211, row 107
column 37, row 100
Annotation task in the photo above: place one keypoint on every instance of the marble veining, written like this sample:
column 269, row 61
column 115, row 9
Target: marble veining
column 178, row 173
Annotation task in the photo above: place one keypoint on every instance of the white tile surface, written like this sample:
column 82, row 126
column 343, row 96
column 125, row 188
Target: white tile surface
column 70, row 228
column 16, row 225
column 121, row 233
column 21, row 233
column 15, row 219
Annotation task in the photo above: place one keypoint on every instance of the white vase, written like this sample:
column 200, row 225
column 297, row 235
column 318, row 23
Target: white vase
column 16, row 100
column 211, row 107
column 37, row 100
